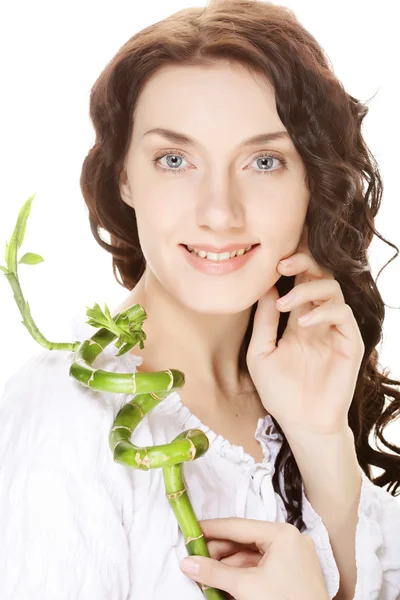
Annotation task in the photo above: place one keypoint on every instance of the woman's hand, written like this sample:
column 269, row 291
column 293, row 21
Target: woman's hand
column 257, row 560
column 307, row 381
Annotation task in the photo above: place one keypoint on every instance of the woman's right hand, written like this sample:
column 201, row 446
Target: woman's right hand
column 257, row 560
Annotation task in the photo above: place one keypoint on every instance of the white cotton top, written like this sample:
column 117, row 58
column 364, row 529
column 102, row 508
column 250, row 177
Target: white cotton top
column 75, row 525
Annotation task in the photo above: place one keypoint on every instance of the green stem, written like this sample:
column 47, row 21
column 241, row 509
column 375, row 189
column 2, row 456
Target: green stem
column 29, row 322
column 149, row 390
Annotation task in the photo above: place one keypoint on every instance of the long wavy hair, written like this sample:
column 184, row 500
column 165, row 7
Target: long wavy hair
column 324, row 123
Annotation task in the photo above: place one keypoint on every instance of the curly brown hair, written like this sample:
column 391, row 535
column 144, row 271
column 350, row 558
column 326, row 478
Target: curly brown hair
column 324, row 123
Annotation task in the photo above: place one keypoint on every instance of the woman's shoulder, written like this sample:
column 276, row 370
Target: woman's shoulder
column 60, row 485
column 48, row 413
column 43, row 384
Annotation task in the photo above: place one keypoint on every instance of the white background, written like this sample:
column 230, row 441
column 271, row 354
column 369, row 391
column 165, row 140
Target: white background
column 51, row 54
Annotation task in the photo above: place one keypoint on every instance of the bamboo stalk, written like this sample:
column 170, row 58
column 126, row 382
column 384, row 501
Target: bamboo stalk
column 149, row 389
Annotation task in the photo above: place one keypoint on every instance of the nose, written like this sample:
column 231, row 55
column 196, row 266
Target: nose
column 221, row 209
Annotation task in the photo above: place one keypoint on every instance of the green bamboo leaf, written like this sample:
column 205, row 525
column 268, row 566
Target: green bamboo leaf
column 18, row 235
column 4, row 269
column 107, row 312
column 95, row 313
column 96, row 323
column 22, row 219
column 122, row 322
column 98, row 319
column 129, row 331
column 125, row 349
column 30, row 258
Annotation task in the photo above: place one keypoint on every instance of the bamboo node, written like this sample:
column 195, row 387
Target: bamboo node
column 133, row 383
column 92, row 375
column 171, row 382
column 93, row 342
column 192, row 449
column 119, row 442
column 143, row 461
column 121, row 427
column 192, row 539
column 174, row 495
column 139, row 408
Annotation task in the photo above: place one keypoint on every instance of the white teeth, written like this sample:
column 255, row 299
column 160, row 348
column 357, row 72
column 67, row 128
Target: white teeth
column 218, row 257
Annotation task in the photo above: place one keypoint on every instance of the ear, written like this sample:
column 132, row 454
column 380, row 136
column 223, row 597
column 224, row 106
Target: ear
column 125, row 190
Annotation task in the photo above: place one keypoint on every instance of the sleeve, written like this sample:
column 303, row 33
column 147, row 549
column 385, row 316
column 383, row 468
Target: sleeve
column 377, row 544
column 314, row 526
column 61, row 530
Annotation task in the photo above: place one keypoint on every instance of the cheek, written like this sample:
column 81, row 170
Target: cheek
column 165, row 210
column 281, row 220
column 158, row 230
column 280, row 231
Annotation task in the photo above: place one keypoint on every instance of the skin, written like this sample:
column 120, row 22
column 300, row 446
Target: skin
column 197, row 321
column 251, row 559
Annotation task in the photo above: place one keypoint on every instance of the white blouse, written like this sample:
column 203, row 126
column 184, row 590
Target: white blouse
column 75, row 525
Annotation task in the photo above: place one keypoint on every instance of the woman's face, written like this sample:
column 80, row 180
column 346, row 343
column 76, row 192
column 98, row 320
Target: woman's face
column 216, row 190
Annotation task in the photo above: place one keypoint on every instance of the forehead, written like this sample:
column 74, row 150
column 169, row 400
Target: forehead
column 191, row 98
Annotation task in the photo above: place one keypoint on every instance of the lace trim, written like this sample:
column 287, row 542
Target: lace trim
column 218, row 444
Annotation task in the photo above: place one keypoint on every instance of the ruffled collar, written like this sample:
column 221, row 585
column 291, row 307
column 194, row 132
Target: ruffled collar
column 172, row 405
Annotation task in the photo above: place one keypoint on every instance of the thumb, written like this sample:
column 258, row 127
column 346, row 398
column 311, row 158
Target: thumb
column 215, row 574
column 265, row 326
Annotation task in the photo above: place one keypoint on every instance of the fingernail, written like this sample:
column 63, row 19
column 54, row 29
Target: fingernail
column 286, row 262
column 190, row 565
column 284, row 300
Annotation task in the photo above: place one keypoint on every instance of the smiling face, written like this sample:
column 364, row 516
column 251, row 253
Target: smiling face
column 216, row 189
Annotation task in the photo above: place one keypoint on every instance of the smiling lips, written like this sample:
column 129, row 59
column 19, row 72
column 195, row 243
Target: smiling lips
column 218, row 267
column 228, row 248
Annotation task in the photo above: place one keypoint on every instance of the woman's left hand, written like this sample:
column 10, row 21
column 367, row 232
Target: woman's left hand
column 307, row 381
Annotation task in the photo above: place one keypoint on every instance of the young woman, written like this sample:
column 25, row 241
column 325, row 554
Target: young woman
column 220, row 129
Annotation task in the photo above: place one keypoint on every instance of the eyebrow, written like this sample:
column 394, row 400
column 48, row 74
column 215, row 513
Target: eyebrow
column 181, row 138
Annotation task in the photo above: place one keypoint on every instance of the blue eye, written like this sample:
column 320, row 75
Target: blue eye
column 175, row 153
column 271, row 156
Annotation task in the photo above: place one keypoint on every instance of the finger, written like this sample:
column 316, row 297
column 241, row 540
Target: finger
column 243, row 558
column 306, row 270
column 339, row 315
column 245, row 531
column 216, row 574
column 303, row 263
column 320, row 291
column 265, row 325
column 219, row 548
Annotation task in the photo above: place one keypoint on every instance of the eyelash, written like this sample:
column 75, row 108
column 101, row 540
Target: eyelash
column 178, row 153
